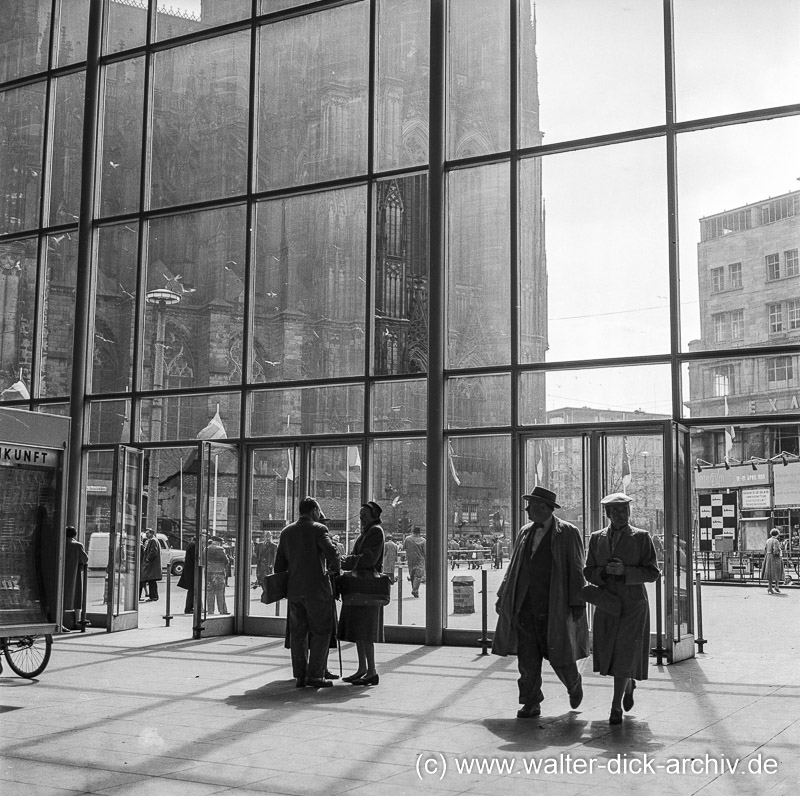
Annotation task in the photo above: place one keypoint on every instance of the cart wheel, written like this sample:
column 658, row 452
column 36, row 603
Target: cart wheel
column 28, row 655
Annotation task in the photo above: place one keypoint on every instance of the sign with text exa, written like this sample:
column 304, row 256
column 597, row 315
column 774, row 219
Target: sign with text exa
column 718, row 514
column 23, row 456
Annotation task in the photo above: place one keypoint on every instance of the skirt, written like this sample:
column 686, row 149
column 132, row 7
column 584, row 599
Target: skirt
column 361, row 623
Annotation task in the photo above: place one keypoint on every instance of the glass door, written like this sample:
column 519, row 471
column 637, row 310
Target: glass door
column 124, row 540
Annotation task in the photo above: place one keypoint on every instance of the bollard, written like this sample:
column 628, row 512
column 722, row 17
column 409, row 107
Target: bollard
column 484, row 640
column 463, row 594
column 168, row 615
column 659, row 649
column 700, row 641
column 400, row 594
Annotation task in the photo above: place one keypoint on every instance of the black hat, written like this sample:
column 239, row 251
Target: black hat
column 544, row 495
column 374, row 508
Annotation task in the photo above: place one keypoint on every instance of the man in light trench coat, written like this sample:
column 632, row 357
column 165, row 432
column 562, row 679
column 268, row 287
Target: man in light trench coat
column 540, row 615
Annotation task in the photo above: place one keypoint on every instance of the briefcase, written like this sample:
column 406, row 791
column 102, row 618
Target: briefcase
column 274, row 587
column 364, row 587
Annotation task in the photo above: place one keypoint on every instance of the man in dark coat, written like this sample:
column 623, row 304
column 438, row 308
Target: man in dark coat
column 75, row 561
column 186, row 580
column 540, row 612
column 621, row 559
column 307, row 553
column 150, row 572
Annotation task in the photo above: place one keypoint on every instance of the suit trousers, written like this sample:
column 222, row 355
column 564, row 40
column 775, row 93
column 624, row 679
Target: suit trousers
column 309, row 634
column 531, row 651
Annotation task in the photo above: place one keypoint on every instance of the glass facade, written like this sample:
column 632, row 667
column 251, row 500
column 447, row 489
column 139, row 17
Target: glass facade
column 270, row 257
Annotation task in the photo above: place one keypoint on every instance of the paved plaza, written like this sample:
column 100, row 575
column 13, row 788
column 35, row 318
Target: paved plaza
column 151, row 711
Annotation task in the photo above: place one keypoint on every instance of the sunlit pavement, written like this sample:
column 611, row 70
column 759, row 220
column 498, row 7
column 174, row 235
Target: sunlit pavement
column 151, row 711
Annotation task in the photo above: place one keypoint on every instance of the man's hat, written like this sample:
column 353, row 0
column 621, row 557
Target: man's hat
column 615, row 497
column 544, row 495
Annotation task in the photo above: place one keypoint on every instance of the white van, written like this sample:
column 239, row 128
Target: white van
column 98, row 553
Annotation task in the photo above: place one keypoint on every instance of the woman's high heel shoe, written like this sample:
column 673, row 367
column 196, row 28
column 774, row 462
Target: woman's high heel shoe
column 352, row 678
column 373, row 680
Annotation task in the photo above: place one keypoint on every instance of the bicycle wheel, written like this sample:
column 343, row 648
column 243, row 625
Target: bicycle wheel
column 28, row 655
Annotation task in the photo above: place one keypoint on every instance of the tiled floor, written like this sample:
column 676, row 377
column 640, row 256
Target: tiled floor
column 143, row 712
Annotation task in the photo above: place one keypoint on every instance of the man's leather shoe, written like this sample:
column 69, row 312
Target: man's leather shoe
column 300, row 682
column 331, row 675
column 318, row 683
column 529, row 711
column 576, row 695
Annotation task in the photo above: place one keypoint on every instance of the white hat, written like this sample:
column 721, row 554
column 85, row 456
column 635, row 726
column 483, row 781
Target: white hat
column 615, row 497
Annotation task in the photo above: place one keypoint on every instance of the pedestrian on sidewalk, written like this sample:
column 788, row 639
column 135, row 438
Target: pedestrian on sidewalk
column 772, row 568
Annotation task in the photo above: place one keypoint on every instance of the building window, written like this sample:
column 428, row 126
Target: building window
column 718, row 446
column 717, row 280
column 775, row 318
column 720, row 323
column 787, row 440
column 793, row 314
column 723, row 382
column 779, row 369
column 737, row 324
column 735, row 275
column 791, row 262
column 773, row 266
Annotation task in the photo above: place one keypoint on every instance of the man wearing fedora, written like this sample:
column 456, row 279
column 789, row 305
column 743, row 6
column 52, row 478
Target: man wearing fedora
column 540, row 615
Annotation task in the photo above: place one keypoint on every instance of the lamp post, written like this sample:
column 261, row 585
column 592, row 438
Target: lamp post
column 160, row 298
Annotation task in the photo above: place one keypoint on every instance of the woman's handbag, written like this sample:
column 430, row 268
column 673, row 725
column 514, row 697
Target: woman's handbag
column 602, row 599
column 364, row 587
column 274, row 587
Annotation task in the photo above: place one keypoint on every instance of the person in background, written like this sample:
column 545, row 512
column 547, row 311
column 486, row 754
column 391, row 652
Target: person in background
column 266, row 559
column 390, row 557
column 622, row 559
column 217, row 564
column 186, row 580
column 414, row 545
column 772, row 568
column 150, row 572
column 75, row 561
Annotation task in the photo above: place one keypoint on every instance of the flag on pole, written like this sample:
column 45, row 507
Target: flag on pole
column 290, row 471
column 730, row 435
column 451, row 460
column 214, row 429
column 353, row 456
column 539, row 472
column 626, row 466
column 17, row 391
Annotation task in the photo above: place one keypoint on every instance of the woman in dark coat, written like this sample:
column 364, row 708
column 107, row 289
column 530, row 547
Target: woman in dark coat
column 621, row 559
column 364, row 623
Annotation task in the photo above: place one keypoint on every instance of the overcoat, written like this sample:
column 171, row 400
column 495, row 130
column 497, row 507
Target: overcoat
column 567, row 638
column 151, row 561
column 772, row 568
column 621, row 644
column 304, row 551
column 364, row 622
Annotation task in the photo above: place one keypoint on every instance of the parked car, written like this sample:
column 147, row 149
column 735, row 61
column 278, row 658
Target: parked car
column 170, row 556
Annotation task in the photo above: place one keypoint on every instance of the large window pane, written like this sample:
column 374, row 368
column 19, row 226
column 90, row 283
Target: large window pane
column 477, row 78
column 58, row 315
column 479, row 513
column 178, row 17
column 399, row 405
column 589, row 68
column 596, row 395
column 70, row 44
column 66, row 159
column 24, row 38
column 310, row 287
column 18, row 300
column 199, row 140
column 739, row 216
column 109, row 422
column 21, row 145
column 606, row 234
column 399, row 485
column 712, row 76
column 120, row 160
column 184, row 417
column 194, row 305
column 111, row 341
column 478, row 270
column 401, row 276
column 307, row 410
column 476, row 401
column 312, row 119
column 401, row 133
